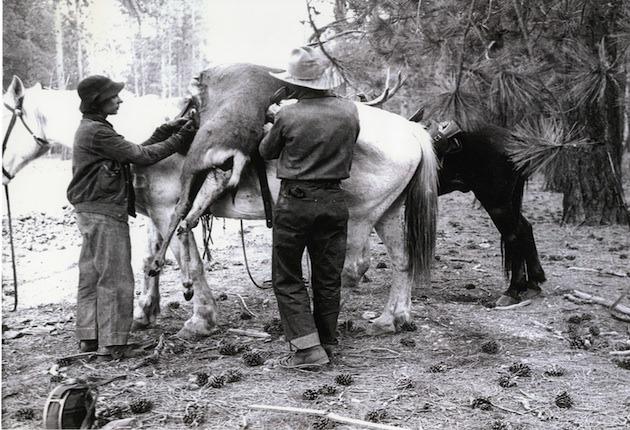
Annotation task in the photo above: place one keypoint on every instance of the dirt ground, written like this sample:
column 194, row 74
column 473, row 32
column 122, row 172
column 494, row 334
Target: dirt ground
column 554, row 364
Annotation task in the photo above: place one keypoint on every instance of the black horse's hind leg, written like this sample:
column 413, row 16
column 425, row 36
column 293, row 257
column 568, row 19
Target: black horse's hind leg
column 514, row 251
column 535, row 272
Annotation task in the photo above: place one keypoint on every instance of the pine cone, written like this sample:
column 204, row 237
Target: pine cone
column 194, row 415
column 555, row 371
column 140, row 406
column 232, row 376
column 228, row 349
column 253, row 359
column 481, row 403
column 408, row 342
column 376, row 415
column 404, row 384
column 327, row 390
column 344, row 379
column 490, row 347
column 408, row 326
column 563, row 400
column 202, row 379
column 506, row 381
column 310, row 394
column 520, row 369
column 24, row 414
column 217, row 381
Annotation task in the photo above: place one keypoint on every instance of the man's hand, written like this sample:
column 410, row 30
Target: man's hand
column 177, row 123
column 187, row 134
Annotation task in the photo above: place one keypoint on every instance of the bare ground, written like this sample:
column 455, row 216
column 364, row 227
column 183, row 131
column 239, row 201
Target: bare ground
column 461, row 365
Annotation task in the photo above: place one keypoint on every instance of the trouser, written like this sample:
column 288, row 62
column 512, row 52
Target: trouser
column 311, row 215
column 106, row 285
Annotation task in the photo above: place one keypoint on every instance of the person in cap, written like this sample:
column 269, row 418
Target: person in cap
column 313, row 141
column 101, row 191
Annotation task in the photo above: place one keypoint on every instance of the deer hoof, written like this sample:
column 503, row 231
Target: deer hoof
column 188, row 294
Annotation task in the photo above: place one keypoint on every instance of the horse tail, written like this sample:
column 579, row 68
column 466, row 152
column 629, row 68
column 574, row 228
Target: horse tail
column 421, row 209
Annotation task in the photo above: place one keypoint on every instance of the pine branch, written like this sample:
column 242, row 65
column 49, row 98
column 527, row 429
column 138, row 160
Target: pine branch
column 535, row 147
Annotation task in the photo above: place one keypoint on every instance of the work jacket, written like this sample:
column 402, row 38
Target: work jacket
column 313, row 139
column 101, row 177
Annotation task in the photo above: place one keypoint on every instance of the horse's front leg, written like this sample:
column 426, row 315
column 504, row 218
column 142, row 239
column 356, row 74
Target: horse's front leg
column 204, row 317
column 148, row 304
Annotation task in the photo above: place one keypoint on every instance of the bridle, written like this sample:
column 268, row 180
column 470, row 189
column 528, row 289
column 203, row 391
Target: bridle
column 17, row 112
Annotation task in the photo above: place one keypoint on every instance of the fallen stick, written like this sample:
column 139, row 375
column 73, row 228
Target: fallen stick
column 252, row 333
column 601, row 301
column 622, row 353
column 517, row 305
column 245, row 306
column 330, row 415
column 599, row 272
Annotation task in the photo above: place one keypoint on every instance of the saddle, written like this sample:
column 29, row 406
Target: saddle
column 444, row 135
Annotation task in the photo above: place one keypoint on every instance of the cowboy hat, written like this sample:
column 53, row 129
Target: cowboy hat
column 308, row 67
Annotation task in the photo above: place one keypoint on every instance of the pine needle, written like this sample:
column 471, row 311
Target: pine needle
column 536, row 146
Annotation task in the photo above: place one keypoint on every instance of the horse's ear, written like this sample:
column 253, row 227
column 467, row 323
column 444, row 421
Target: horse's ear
column 16, row 88
column 38, row 86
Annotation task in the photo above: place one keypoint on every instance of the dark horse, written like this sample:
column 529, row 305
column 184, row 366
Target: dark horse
column 480, row 163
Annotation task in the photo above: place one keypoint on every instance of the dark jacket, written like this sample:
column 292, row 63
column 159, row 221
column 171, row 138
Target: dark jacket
column 313, row 139
column 101, row 177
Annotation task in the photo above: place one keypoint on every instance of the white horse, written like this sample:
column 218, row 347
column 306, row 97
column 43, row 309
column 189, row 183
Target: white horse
column 394, row 162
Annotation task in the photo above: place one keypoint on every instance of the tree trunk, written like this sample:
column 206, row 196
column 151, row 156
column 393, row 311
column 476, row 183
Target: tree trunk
column 79, row 24
column 592, row 184
column 61, row 79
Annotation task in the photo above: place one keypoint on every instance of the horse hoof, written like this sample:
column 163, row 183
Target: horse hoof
column 505, row 300
column 188, row 294
column 186, row 334
column 531, row 292
column 374, row 329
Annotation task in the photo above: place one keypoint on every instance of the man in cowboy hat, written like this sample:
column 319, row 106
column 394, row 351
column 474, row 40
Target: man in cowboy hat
column 313, row 141
column 101, row 191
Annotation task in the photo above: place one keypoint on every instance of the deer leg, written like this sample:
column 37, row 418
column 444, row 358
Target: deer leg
column 213, row 187
column 148, row 304
column 191, row 185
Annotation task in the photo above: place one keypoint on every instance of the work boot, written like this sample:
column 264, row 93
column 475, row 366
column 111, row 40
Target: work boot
column 88, row 345
column 306, row 358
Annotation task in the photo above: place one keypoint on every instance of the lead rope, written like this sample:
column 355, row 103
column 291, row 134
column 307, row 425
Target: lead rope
column 15, row 284
column 249, row 273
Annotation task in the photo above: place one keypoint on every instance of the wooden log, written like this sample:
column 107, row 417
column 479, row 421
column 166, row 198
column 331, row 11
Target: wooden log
column 330, row 415
column 601, row 301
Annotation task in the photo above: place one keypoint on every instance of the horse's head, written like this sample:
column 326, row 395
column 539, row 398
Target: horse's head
column 24, row 128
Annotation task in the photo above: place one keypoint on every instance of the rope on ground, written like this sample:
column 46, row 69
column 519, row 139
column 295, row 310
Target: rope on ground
column 249, row 273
